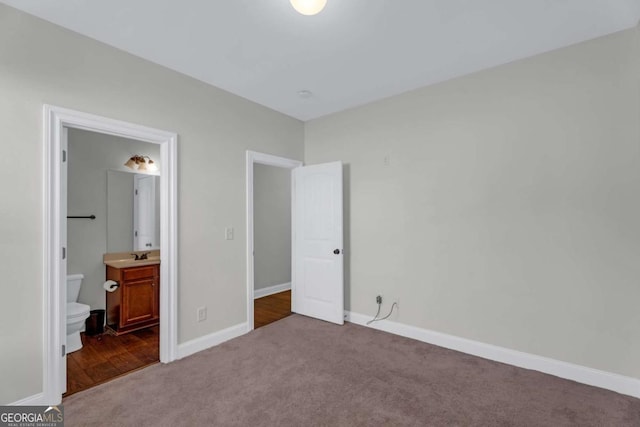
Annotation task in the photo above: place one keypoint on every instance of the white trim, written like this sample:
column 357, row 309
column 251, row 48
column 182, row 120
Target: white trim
column 582, row 374
column 269, row 160
column 36, row 399
column 202, row 343
column 55, row 120
column 275, row 289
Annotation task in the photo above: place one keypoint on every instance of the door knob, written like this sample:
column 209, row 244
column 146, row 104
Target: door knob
column 336, row 251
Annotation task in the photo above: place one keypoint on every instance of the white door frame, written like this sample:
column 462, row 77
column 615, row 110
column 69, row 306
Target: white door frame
column 55, row 120
column 269, row 160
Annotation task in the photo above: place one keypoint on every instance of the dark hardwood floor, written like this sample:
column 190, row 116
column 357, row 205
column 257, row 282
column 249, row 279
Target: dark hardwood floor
column 106, row 357
column 271, row 308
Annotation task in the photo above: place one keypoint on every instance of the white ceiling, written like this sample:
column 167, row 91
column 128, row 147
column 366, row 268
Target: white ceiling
column 354, row 52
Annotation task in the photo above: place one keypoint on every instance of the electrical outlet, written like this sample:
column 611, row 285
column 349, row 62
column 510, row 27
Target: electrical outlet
column 379, row 299
column 202, row 314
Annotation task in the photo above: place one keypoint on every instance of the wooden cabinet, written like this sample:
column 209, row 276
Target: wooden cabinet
column 135, row 304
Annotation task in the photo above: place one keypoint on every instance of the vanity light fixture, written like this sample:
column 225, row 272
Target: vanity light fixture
column 131, row 163
column 141, row 163
column 308, row 7
column 142, row 167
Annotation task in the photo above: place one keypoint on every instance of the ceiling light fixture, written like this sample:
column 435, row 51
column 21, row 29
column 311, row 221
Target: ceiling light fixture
column 308, row 7
column 141, row 163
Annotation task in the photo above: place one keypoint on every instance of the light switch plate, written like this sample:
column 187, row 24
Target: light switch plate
column 228, row 233
column 202, row 314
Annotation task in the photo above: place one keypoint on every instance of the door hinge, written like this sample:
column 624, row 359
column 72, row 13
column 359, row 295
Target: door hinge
column 136, row 192
column 64, row 156
column 64, row 253
column 136, row 233
column 64, row 350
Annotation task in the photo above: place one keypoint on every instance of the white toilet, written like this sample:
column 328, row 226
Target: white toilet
column 76, row 313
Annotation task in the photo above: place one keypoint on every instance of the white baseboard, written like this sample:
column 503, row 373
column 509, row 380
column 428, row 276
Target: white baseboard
column 190, row 347
column 36, row 399
column 259, row 293
column 582, row 374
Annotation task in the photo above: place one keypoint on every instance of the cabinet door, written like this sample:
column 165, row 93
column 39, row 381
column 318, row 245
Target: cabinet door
column 156, row 294
column 139, row 301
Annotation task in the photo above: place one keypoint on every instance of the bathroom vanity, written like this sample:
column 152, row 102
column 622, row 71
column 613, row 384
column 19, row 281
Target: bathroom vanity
column 135, row 303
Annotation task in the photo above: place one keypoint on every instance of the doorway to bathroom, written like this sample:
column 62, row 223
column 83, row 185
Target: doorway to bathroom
column 113, row 217
column 145, row 281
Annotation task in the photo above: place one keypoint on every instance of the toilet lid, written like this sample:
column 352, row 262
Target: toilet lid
column 75, row 309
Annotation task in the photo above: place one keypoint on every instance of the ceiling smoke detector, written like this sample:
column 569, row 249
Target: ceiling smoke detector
column 305, row 94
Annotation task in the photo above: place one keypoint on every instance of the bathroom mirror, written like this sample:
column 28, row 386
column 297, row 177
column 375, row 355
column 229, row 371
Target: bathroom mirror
column 133, row 220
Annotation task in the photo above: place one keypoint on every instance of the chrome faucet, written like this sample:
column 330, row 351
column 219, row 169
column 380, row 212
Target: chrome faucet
column 139, row 257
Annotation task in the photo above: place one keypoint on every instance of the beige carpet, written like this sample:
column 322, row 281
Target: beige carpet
column 305, row 372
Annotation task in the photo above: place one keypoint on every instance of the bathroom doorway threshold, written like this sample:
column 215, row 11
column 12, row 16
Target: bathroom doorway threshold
column 106, row 357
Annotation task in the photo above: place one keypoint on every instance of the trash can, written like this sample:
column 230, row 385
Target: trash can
column 94, row 323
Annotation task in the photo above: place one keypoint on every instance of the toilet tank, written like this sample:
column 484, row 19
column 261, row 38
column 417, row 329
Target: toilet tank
column 73, row 286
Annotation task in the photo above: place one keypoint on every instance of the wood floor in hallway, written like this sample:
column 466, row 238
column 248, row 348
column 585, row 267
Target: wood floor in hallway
column 271, row 308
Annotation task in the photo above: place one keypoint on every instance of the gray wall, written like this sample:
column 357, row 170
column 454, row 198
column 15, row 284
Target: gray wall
column 272, row 225
column 509, row 211
column 42, row 63
column 91, row 155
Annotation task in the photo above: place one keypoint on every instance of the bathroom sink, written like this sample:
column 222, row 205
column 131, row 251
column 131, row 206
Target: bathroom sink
column 127, row 259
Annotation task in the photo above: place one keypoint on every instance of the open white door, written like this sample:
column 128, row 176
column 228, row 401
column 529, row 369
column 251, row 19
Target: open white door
column 317, row 269
column 144, row 213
